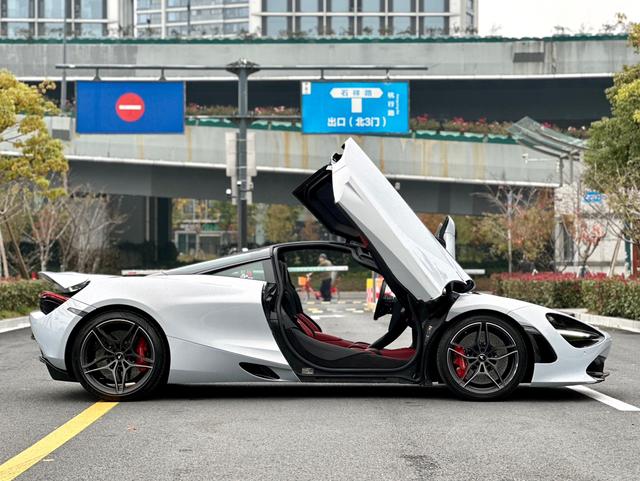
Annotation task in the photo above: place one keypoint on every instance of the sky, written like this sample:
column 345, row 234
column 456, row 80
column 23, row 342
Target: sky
column 537, row 18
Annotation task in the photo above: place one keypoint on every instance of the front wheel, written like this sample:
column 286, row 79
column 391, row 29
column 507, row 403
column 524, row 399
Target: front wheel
column 482, row 358
column 119, row 356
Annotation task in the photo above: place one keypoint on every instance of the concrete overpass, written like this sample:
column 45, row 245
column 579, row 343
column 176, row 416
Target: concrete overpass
column 436, row 172
column 449, row 57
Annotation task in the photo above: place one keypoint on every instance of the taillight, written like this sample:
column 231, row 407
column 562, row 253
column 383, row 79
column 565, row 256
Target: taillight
column 50, row 301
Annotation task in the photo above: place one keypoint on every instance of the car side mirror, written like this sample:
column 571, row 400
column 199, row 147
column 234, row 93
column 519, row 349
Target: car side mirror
column 446, row 235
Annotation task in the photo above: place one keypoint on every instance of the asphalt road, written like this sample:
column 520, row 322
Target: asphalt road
column 322, row 432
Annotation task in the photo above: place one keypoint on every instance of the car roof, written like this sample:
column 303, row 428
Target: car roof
column 252, row 255
column 222, row 262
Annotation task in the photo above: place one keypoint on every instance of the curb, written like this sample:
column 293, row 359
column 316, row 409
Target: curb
column 7, row 325
column 621, row 323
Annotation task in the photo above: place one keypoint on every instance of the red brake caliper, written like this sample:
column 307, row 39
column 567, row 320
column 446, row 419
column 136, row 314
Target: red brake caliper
column 141, row 351
column 460, row 362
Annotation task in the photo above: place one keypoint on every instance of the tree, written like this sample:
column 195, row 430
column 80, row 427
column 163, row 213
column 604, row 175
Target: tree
column 281, row 223
column 86, row 240
column 38, row 158
column 612, row 162
column 522, row 226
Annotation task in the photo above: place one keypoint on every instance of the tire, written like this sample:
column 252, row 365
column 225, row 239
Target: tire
column 120, row 356
column 477, row 370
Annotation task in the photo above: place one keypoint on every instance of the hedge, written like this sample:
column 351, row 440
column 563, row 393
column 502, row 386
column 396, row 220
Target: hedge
column 20, row 296
column 614, row 296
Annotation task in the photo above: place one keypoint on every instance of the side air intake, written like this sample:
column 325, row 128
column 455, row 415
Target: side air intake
column 260, row 371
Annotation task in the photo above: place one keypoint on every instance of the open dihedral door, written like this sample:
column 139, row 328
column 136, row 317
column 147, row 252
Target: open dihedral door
column 353, row 199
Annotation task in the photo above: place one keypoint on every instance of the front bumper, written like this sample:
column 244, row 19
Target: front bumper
column 573, row 365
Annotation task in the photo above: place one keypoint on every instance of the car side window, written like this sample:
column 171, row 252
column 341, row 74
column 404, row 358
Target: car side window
column 253, row 270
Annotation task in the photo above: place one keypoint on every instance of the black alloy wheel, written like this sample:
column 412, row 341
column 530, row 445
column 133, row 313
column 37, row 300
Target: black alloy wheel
column 119, row 356
column 482, row 358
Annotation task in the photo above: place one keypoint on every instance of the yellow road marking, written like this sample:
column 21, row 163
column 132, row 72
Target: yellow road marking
column 52, row 441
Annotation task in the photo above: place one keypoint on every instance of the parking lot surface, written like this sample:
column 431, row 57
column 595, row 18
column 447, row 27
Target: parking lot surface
column 318, row 432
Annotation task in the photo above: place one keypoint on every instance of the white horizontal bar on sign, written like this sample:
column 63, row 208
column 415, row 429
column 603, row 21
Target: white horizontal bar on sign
column 476, row 272
column 318, row 269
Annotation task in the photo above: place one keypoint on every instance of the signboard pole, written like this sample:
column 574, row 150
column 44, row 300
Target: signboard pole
column 242, row 68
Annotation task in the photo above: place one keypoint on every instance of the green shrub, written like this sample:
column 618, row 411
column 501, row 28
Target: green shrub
column 545, row 289
column 20, row 296
column 613, row 296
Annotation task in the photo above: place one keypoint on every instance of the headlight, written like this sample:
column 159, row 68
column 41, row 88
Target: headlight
column 576, row 333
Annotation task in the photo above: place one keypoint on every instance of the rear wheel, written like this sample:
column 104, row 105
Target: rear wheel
column 119, row 356
column 482, row 358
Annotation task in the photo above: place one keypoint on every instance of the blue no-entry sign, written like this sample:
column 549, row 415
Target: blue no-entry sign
column 130, row 107
column 355, row 107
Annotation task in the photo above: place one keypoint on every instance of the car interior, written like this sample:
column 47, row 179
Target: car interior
column 325, row 349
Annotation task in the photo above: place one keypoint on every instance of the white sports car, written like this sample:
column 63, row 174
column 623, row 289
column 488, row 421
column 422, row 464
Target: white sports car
column 240, row 318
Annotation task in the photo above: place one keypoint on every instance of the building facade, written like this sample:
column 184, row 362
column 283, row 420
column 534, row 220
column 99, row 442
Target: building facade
column 191, row 18
column 230, row 18
column 278, row 18
column 45, row 18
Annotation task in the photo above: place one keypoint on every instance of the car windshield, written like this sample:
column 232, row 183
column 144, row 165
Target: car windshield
column 214, row 264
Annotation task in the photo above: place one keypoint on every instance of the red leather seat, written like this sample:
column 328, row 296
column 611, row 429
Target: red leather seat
column 311, row 329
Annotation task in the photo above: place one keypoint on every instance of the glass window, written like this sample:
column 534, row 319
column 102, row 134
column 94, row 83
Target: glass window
column 92, row 30
column 402, row 26
column 375, row 6
column 149, row 19
column 19, row 30
column 206, row 14
column 340, row 26
column 434, row 6
column 401, row 6
column 370, row 25
column 470, row 5
column 149, row 32
column 180, row 16
column 339, row 6
column 19, row 9
column 275, row 5
column 50, row 30
column 253, row 271
column 231, row 2
column 240, row 12
column 308, row 6
column 308, row 25
column 51, row 9
column 275, row 26
column 90, row 9
column 148, row 4
column 469, row 20
column 177, row 3
column 206, row 29
column 236, row 28
column 434, row 25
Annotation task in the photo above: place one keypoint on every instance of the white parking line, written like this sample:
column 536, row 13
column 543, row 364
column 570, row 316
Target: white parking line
column 603, row 398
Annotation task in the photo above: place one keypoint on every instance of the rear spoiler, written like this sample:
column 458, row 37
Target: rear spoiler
column 70, row 281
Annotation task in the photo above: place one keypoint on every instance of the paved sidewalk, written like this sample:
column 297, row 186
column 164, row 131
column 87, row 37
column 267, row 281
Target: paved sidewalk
column 14, row 323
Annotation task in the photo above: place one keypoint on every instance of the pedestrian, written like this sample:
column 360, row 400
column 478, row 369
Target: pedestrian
column 325, row 276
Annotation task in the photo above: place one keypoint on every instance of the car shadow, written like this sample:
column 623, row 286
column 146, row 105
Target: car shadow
column 327, row 391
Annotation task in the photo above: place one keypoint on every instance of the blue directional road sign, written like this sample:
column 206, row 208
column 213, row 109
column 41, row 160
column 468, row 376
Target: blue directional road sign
column 130, row 107
column 355, row 107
